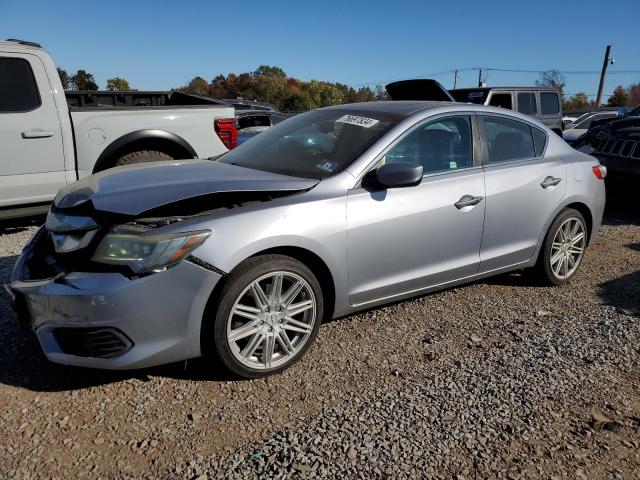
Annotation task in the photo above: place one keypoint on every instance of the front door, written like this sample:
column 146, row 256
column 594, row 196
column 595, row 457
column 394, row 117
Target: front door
column 402, row 240
column 32, row 158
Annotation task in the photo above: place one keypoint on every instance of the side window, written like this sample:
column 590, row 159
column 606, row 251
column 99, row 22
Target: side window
column 539, row 140
column 508, row 139
column 527, row 103
column 18, row 89
column 549, row 103
column 502, row 100
column 439, row 146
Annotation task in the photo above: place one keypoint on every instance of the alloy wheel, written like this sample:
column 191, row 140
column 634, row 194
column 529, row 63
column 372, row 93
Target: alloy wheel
column 271, row 320
column 567, row 248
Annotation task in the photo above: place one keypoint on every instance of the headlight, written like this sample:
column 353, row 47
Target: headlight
column 143, row 253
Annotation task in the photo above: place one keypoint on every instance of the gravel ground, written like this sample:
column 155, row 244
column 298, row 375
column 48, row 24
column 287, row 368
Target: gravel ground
column 503, row 378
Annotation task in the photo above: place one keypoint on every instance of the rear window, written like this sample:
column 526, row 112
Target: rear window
column 527, row 103
column 18, row 89
column 549, row 103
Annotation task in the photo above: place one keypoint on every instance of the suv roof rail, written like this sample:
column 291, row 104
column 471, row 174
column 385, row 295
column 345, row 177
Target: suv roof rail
column 24, row 42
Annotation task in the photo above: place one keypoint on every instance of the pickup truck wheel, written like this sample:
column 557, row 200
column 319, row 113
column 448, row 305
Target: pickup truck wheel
column 143, row 156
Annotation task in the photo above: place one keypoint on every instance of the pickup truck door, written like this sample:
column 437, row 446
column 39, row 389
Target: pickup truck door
column 32, row 165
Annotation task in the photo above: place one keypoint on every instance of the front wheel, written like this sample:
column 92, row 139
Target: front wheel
column 564, row 247
column 268, row 314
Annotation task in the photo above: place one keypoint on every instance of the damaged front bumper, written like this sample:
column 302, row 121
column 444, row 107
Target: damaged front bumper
column 108, row 320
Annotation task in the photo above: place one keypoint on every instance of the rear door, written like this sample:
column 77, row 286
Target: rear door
column 32, row 160
column 404, row 239
column 523, row 187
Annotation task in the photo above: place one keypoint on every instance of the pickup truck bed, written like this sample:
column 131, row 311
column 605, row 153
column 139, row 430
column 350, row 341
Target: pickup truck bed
column 90, row 99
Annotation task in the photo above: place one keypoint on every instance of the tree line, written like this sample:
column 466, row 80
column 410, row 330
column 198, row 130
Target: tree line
column 273, row 85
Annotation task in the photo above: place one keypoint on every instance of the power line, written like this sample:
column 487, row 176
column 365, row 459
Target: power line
column 495, row 69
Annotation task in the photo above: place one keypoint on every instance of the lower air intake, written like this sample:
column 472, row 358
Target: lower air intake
column 92, row 342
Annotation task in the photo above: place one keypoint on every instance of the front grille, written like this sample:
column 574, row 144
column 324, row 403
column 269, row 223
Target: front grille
column 93, row 342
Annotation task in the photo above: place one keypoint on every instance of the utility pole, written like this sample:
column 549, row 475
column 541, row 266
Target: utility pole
column 480, row 77
column 455, row 78
column 605, row 64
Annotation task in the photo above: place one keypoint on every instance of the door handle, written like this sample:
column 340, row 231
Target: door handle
column 468, row 201
column 37, row 134
column 550, row 182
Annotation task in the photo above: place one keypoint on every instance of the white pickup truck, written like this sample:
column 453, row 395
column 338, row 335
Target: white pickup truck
column 49, row 137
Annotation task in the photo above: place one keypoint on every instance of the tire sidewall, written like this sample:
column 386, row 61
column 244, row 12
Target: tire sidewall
column 553, row 230
column 238, row 280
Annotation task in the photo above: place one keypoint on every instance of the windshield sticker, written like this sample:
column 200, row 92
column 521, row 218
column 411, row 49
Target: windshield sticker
column 327, row 166
column 359, row 121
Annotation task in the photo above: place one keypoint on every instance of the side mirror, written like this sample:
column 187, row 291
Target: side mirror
column 623, row 112
column 401, row 174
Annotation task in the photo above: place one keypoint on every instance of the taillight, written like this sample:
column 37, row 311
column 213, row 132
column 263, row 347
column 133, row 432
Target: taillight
column 600, row 171
column 227, row 131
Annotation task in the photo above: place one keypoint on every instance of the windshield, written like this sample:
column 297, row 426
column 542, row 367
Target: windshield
column 315, row 144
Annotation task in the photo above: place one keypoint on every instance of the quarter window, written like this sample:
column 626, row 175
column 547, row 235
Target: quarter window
column 527, row 103
column 549, row 103
column 18, row 89
column 508, row 139
column 539, row 140
column 439, row 146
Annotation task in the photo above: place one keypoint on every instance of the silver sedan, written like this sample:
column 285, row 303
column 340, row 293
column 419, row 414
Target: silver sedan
column 241, row 258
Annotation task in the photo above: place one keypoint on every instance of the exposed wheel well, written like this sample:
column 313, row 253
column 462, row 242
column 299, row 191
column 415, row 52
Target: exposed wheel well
column 586, row 213
column 173, row 149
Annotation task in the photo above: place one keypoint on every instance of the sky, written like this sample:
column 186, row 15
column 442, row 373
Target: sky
column 158, row 45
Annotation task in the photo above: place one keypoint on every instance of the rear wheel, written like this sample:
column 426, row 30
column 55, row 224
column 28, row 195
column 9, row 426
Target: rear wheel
column 268, row 314
column 564, row 247
column 143, row 156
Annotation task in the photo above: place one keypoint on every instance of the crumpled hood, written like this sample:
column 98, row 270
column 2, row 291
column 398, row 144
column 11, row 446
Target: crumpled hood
column 135, row 189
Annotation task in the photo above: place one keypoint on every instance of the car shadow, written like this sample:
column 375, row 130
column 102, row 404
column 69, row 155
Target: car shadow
column 623, row 292
column 20, row 224
column 622, row 206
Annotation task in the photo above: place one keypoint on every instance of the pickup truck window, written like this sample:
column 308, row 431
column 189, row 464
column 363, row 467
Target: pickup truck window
column 18, row 89
column 549, row 103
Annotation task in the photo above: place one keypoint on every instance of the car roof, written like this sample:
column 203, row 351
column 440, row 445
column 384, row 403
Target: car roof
column 400, row 107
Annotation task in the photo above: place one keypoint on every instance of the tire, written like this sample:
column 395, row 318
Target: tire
column 143, row 156
column 557, row 264
column 248, row 356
